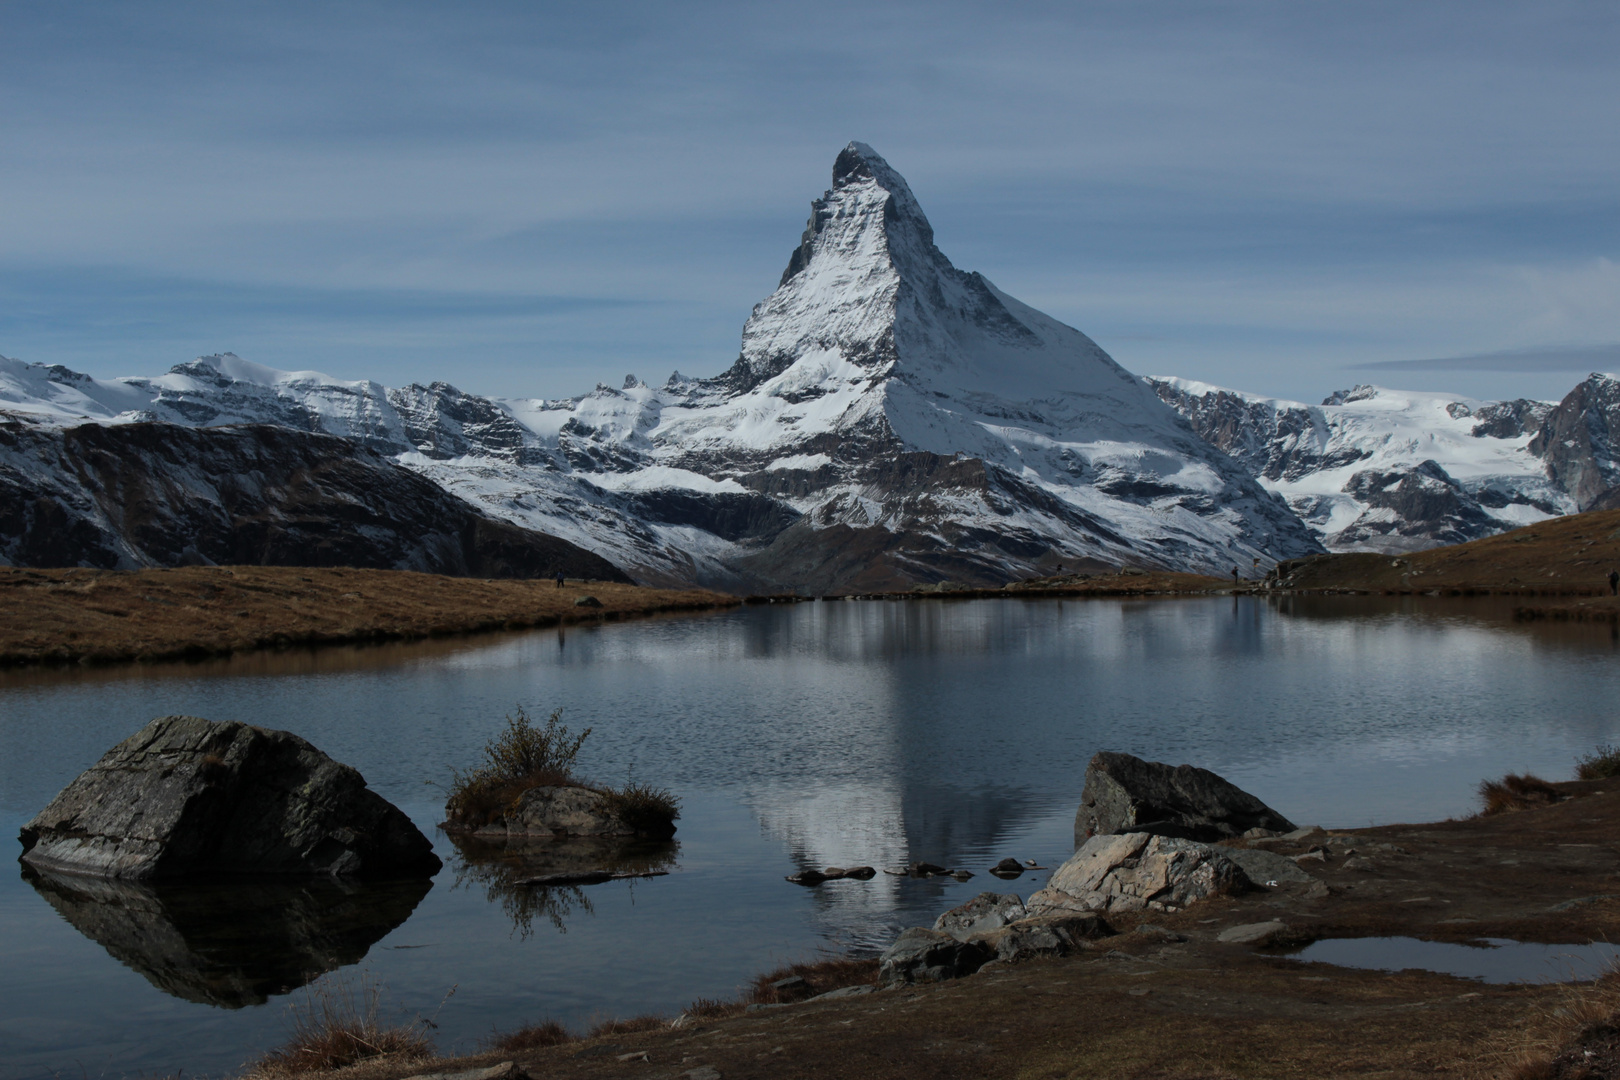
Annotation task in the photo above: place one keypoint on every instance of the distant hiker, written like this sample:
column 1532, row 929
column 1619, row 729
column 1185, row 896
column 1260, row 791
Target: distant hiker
column 1614, row 582
column 1234, row 575
column 559, row 579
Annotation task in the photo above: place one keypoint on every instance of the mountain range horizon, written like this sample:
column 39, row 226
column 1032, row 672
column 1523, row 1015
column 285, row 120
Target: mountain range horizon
column 889, row 420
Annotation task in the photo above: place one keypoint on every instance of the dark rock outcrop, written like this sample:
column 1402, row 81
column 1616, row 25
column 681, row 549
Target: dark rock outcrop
column 124, row 496
column 1424, row 503
column 1124, row 794
column 232, row 944
column 1577, row 440
column 185, row 797
column 922, row 955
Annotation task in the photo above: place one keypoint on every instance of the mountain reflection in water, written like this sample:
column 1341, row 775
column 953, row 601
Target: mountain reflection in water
column 499, row 865
column 231, row 943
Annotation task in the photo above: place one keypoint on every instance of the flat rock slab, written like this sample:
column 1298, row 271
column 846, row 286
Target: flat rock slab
column 1126, row 794
column 1249, row 933
column 186, row 796
column 1264, row 867
column 1139, row 871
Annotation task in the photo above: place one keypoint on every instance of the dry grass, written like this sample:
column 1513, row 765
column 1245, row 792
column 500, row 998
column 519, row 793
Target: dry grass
column 630, row 1026
column 1514, row 792
column 1600, row 764
column 821, row 975
column 714, row 1009
column 338, row 1024
column 533, row 1037
column 112, row 616
column 650, row 811
column 1566, row 556
column 1579, row 1012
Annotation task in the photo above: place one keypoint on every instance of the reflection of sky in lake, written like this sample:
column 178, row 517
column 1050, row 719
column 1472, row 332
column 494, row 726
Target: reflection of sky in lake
column 804, row 735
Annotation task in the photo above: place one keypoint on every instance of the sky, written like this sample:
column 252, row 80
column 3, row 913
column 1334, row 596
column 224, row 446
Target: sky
column 526, row 199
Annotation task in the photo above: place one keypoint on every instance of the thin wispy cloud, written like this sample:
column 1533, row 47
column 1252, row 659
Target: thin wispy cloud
column 1559, row 358
column 1274, row 162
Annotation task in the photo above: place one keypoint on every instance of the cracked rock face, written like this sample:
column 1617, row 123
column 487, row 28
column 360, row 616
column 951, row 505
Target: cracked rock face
column 187, row 797
column 985, row 912
column 1138, row 871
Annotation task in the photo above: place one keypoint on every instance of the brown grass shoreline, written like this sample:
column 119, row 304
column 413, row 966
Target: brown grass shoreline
column 82, row 616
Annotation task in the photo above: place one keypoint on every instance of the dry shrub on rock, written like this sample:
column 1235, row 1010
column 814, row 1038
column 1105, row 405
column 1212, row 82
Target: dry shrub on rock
column 1514, row 792
column 523, row 756
column 820, row 977
column 527, row 756
column 532, row 1037
column 1601, row 764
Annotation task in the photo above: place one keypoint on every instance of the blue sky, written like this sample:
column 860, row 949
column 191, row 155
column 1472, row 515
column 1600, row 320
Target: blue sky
column 526, row 199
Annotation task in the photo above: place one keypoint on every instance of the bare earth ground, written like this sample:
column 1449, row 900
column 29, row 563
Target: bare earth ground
column 1165, row 999
column 108, row 616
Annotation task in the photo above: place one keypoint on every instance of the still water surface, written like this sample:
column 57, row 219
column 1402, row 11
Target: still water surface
column 796, row 736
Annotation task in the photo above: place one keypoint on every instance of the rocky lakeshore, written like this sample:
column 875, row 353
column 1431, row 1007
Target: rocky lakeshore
column 1200, row 987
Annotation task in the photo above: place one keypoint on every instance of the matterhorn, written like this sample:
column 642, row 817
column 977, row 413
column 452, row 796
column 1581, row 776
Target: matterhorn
column 890, row 421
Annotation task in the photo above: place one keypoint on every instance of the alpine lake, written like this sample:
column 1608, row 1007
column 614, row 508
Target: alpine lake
column 796, row 736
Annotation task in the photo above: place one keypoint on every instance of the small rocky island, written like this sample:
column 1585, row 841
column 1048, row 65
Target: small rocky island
column 186, row 797
column 526, row 788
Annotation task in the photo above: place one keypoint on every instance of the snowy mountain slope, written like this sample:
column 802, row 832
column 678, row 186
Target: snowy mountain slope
column 889, row 419
column 1372, row 469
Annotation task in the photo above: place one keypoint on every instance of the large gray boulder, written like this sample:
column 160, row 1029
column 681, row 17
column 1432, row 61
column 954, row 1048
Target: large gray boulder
column 1126, row 794
column 1139, row 871
column 186, row 796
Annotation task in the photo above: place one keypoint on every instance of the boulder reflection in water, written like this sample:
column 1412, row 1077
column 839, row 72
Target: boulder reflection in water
column 231, row 942
column 499, row 864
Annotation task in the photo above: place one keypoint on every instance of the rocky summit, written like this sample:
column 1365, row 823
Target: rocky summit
column 186, row 797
